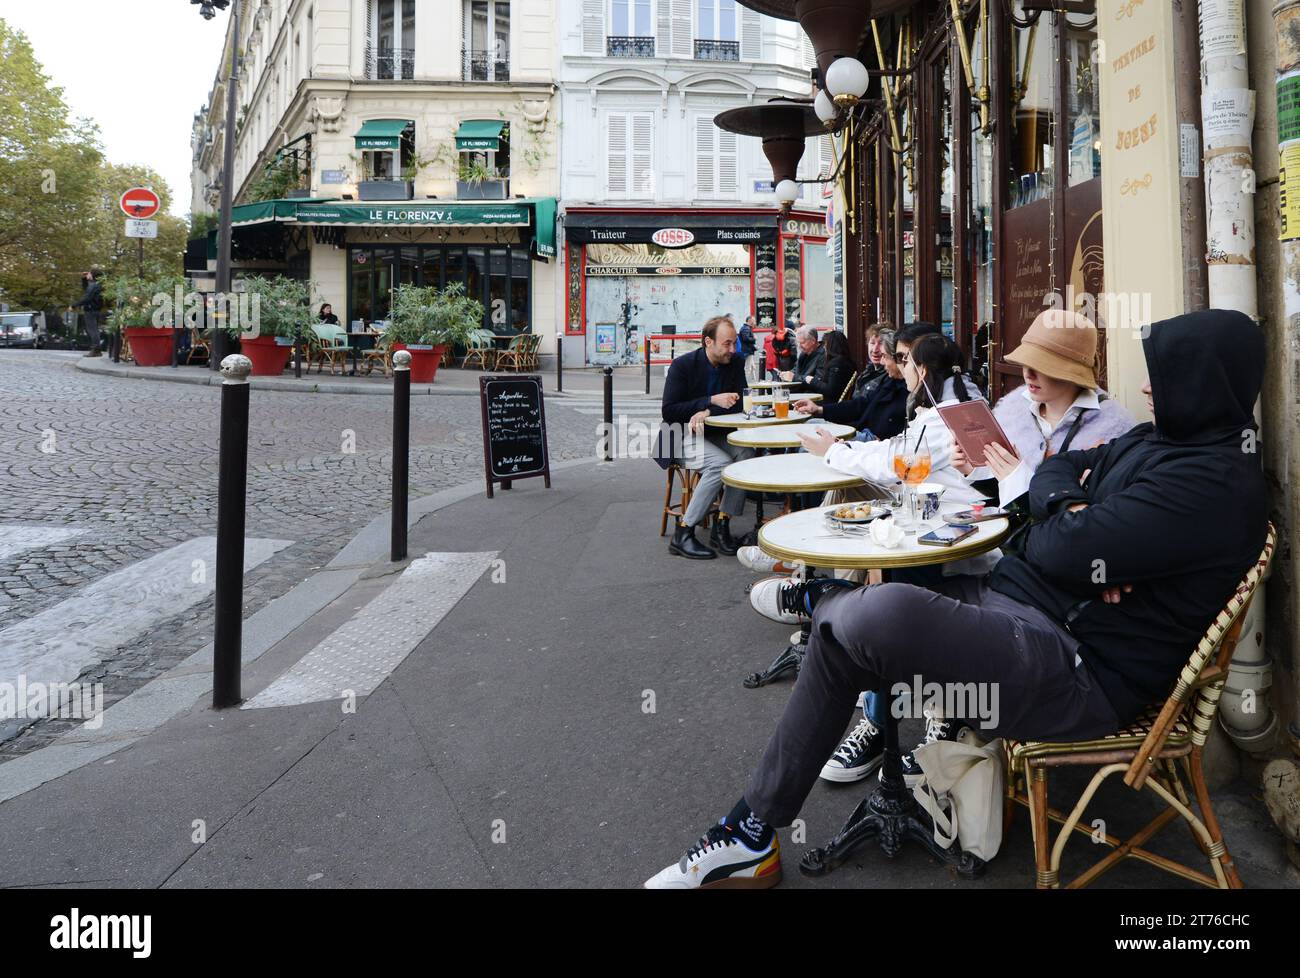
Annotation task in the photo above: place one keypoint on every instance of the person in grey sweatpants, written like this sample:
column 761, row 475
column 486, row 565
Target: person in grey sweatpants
column 963, row 632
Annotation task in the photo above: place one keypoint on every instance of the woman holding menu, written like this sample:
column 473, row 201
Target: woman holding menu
column 1058, row 408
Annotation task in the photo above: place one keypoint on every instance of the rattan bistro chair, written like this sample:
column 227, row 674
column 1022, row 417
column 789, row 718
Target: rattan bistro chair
column 848, row 388
column 1156, row 751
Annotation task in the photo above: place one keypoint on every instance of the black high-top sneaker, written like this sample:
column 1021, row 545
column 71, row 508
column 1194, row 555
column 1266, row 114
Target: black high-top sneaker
column 720, row 537
column 684, row 544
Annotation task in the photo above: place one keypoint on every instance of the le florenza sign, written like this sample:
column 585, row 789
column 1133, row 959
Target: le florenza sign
column 421, row 215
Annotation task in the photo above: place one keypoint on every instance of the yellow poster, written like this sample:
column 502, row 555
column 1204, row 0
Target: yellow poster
column 1289, row 180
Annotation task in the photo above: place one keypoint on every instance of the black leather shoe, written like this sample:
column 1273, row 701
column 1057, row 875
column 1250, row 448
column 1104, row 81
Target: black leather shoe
column 684, row 544
column 720, row 538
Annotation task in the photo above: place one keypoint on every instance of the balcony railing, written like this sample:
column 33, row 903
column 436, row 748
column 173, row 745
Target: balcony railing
column 390, row 64
column 485, row 66
column 706, row 50
column 630, row 47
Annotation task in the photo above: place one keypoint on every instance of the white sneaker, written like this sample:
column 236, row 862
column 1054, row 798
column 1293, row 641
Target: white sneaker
column 720, row 860
column 777, row 598
column 756, row 560
column 859, row 754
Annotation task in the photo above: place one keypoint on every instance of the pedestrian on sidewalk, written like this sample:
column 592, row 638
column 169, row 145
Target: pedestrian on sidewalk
column 746, row 347
column 91, row 304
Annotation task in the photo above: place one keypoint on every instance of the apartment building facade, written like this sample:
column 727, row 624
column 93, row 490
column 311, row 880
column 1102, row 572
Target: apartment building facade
column 643, row 164
column 382, row 142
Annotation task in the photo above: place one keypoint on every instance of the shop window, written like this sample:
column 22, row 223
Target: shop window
column 520, row 267
column 1083, row 104
column 1033, row 132
column 389, row 164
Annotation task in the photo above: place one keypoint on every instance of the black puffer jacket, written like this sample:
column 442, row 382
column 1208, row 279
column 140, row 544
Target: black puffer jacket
column 1177, row 509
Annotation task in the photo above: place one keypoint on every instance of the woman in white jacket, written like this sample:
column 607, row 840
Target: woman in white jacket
column 932, row 372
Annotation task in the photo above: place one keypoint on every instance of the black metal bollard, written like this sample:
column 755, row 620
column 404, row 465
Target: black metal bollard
column 762, row 365
column 297, row 356
column 647, row 363
column 559, row 362
column 609, row 414
column 232, row 484
column 176, row 345
column 401, row 449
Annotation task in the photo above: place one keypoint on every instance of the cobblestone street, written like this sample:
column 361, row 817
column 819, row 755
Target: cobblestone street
column 131, row 465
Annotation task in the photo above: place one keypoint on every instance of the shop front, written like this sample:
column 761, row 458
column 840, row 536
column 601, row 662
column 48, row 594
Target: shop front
column 357, row 254
column 635, row 273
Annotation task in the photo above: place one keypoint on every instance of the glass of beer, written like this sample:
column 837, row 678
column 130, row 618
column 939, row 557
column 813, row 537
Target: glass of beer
column 781, row 402
column 747, row 401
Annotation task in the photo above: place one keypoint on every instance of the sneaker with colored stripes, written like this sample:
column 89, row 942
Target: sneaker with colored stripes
column 722, row 860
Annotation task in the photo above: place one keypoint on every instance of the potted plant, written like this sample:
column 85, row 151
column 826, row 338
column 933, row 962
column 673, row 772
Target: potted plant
column 478, row 181
column 425, row 321
column 142, row 312
column 276, row 312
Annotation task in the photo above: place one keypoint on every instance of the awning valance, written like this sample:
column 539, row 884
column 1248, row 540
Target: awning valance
column 479, row 134
column 381, row 133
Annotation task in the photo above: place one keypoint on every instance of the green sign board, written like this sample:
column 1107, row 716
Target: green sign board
column 422, row 215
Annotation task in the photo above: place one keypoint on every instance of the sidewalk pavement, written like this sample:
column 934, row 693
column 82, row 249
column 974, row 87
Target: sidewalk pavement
column 629, row 382
column 576, row 719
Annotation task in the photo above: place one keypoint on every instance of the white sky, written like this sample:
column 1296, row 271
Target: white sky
column 139, row 68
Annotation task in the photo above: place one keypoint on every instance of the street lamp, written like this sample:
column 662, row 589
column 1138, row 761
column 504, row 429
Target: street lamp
column 208, row 9
column 847, row 81
column 826, row 110
column 787, row 192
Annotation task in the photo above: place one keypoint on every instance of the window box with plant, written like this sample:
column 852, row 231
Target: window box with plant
column 477, row 179
column 280, row 314
column 388, row 173
column 425, row 321
column 143, row 311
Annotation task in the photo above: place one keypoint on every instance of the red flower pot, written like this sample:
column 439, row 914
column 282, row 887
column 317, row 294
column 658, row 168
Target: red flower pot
column 424, row 361
column 149, row 346
column 269, row 357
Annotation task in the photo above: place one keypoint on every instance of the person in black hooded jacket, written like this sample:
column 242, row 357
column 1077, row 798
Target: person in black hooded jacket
column 1138, row 545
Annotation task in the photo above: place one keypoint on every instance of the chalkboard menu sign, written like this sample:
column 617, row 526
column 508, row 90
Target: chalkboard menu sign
column 514, row 430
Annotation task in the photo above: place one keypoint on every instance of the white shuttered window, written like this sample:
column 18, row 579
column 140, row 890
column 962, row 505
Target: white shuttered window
column 629, row 144
column 716, row 164
column 593, row 26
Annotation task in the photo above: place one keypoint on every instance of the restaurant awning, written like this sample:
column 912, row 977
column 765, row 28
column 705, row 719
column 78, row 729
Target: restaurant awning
column 631, row 227
column 381, row 133
column 537, row 213
column 479, row 134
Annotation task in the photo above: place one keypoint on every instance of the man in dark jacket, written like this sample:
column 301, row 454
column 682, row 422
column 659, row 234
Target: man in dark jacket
column 810, row 355
column 701, row 383
column 91, row 303
column 1140, row 543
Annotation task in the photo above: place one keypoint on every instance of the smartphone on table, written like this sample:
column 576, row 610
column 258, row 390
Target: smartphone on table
column 946, row 536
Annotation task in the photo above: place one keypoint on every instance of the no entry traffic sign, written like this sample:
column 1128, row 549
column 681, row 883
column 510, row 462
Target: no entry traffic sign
column 140, row 203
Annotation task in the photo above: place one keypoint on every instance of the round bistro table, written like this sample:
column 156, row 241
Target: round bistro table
column 889, row 813
column 739, row 419
column 785, row 435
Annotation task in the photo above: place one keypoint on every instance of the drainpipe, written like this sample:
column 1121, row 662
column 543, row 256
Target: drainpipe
column 1228, row 124
column 1286, row 27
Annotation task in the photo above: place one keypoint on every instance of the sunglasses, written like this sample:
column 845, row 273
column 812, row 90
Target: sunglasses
column 900, row 358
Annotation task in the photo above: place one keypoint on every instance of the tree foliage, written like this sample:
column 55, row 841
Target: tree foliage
column 58, row 195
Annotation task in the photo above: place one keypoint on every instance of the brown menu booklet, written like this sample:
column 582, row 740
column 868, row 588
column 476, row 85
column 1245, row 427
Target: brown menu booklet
column 973, row 425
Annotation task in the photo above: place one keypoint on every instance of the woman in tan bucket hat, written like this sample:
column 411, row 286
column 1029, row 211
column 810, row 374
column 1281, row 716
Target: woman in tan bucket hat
column 1058, row 408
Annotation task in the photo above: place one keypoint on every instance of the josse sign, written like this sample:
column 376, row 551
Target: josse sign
column 672, row 238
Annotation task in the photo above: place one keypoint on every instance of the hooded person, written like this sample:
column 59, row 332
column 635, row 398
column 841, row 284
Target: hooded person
column 1138, row 545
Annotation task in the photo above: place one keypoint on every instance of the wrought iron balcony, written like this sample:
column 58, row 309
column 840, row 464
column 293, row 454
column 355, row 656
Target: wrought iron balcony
column 390, row 64
column 630, row 47
column 706, row 50
column 485, row 65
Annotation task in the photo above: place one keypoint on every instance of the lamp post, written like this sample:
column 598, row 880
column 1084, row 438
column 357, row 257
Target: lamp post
column 208, row 9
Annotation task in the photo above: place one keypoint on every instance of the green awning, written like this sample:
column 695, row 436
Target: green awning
column 381, row 133
column 544, row 212
column 479, row 134
column 431, row 213
column 267, row 210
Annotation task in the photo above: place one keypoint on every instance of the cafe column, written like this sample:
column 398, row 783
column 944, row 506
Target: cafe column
column 1142, row 184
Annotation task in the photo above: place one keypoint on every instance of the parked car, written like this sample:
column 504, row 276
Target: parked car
column 23, row 329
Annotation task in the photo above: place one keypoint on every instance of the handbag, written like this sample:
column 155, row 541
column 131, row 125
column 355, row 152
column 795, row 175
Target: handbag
column 961, row 789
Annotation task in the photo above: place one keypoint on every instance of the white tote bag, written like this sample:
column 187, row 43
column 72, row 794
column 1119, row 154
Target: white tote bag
column 962, row 789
